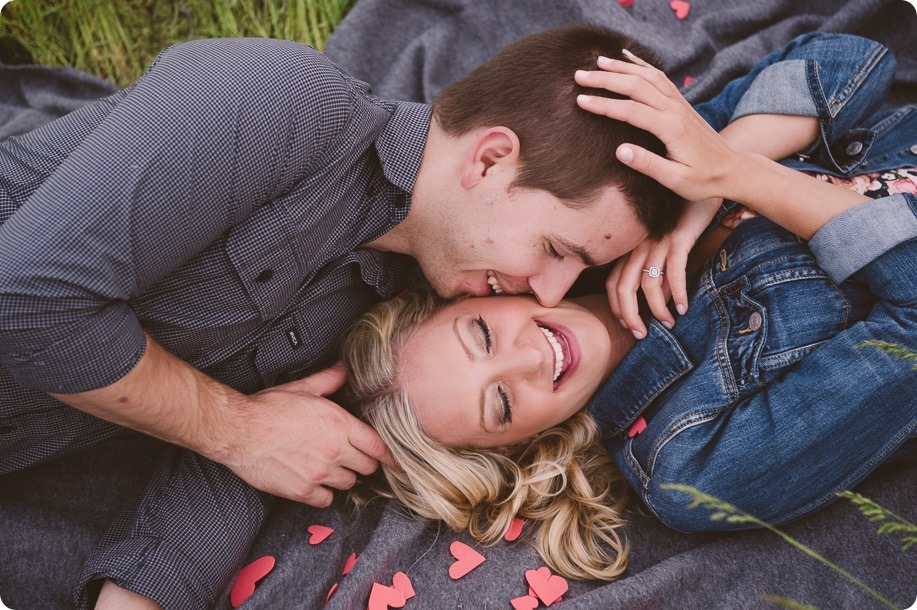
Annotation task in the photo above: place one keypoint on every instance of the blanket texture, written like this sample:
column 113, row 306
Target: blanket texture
column 52, row 516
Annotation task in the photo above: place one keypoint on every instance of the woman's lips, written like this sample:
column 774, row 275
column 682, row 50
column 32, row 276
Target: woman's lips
column 570, row 348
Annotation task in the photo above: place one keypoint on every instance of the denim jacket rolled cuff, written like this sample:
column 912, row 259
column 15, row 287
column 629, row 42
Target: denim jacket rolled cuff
column 779, row 89
column 854, row 238
column 838, row 79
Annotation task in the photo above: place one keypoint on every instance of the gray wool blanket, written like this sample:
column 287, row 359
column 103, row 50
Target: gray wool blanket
column 52, row 516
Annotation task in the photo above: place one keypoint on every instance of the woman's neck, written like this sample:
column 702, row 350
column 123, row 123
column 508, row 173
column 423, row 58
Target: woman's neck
column 621, row 338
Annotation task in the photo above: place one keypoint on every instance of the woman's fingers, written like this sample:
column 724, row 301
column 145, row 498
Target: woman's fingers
column 676, row 276
column 633, row 86
column 611, row 284
column 625, row 288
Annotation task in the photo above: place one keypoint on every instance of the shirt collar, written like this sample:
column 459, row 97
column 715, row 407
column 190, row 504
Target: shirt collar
column 652, row 365
column 401, row 144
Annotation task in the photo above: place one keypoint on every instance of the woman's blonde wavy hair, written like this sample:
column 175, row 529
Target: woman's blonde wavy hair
column 563, row 482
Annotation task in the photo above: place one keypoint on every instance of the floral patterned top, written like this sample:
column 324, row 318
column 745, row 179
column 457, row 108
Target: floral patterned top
column 875, row 185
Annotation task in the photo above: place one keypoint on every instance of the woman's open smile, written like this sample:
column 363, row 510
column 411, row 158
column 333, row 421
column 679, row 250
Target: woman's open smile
column 495, row 371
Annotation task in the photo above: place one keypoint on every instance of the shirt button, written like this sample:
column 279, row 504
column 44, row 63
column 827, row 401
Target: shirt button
column 913, row 149
column 854, row 148
column 265, row 275
column 754, row 320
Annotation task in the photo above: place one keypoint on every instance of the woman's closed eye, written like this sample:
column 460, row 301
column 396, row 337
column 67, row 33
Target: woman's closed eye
column 507, row 417
column 504, row 404
column 486, row 337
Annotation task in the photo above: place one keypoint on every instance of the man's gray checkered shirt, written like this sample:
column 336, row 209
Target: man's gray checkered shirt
column 218, row 203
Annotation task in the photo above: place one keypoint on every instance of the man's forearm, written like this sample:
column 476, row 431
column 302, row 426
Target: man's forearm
column 167, row 398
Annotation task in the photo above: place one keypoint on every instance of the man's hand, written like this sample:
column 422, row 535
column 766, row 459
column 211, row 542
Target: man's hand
column 300, row 445
column 288, row 440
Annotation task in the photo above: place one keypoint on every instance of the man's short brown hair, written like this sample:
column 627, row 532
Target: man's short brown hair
column 528, row 87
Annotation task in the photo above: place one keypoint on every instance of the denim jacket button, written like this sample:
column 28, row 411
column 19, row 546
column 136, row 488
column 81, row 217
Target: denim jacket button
column 754, row 320
column 913, row 149
column 854, row 148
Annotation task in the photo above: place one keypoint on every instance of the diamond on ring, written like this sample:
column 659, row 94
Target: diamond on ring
column 654, row 271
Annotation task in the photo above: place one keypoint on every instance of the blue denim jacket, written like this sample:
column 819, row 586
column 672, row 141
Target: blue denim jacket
column 760, row 395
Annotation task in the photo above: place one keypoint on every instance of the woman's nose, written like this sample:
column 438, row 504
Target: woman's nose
column 525, row 360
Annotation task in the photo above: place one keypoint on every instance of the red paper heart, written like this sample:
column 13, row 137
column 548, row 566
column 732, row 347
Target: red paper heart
column 468, row 559
column 638, row 427
column 626, row 3
column 401, row 582
column 319, row 533
column 244, row 585
column 681, row 8
column 515, row 529
column 331, row 591
column 383, row 598
column 548, row 587
column 533, row 594
column 348, row 565
column 688, row 81
column 526, row 602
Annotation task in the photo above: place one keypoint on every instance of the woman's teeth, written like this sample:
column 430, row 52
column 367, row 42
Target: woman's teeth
column 558, row 352
column 494, row 284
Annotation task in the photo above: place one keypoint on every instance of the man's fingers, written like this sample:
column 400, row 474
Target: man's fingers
column 341, row 478
column 324, row 382
column 320, row 497
column 366, row 440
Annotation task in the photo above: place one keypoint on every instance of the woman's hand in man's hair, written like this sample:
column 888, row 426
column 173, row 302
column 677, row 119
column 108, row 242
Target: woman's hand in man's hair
column 699, row 163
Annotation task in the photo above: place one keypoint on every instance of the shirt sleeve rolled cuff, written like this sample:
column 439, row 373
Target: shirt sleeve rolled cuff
column 779, row 89
column 84, row 360
column 854, row 238
column 148, row 567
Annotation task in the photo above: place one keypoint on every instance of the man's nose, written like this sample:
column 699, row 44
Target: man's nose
column 551, row 286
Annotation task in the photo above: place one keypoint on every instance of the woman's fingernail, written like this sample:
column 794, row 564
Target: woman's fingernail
column 628, row 53
column 603, row 61
column 681, row 309
column 581, row 73
column 667, row 324
column 638, row 334
column 585, row 99
column 623, row 323
column 625, row 154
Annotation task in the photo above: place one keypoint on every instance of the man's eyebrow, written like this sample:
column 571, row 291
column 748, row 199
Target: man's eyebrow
column 468, row 353
column 578, row 251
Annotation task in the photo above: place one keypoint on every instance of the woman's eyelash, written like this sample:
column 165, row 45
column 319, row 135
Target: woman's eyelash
column 485, row 332
column 553, row 252
column 507, row 407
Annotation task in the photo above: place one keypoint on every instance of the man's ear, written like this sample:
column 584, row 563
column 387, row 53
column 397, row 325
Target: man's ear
column 494, row 147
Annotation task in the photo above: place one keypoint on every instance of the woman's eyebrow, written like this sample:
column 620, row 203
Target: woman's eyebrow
column 461, row 341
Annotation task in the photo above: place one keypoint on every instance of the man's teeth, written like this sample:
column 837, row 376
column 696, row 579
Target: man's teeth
column 558, row 352
column 494, row 284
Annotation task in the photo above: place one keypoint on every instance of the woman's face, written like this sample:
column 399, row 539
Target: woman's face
column 494, row 371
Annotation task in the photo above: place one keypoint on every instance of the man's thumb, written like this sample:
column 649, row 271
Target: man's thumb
column 324, row 382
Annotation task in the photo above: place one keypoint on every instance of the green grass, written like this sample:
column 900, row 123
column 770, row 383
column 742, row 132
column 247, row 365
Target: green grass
column 117, row 39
